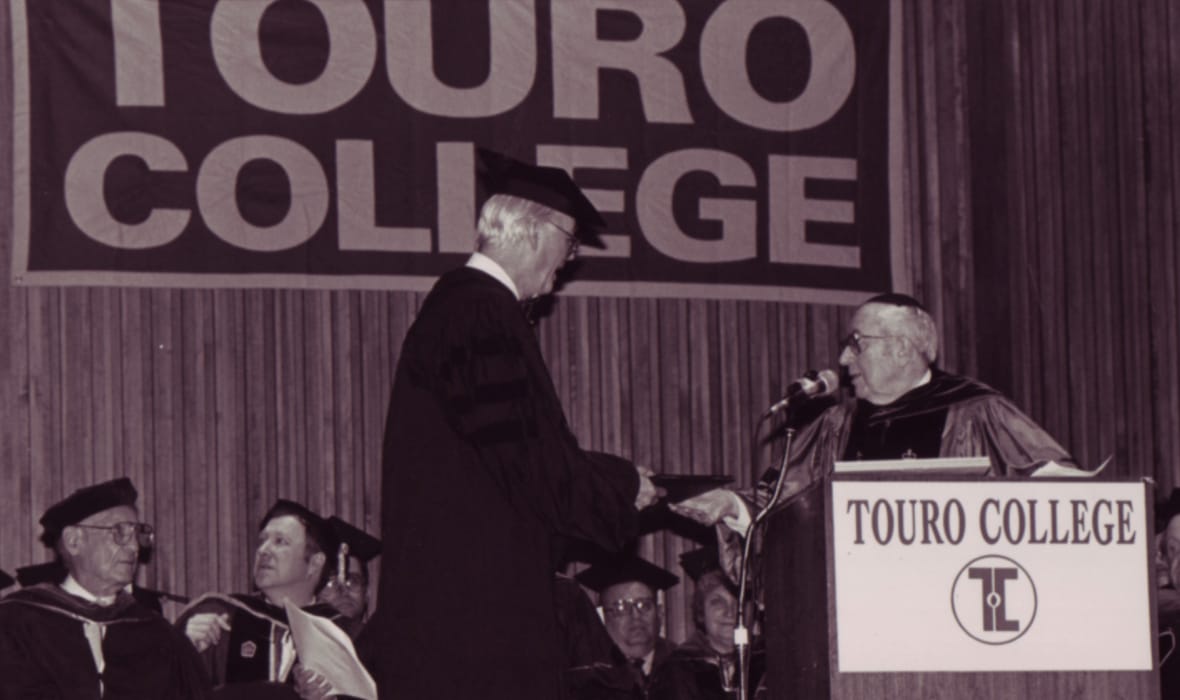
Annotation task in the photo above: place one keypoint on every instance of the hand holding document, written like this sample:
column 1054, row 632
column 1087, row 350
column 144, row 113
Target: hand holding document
column 325, row 649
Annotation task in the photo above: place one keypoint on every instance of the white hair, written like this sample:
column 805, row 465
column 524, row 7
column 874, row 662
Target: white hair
column 508, row 220
column 915, row 325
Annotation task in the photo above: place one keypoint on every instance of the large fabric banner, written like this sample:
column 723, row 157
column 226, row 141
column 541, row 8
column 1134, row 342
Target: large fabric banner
column 737, row 148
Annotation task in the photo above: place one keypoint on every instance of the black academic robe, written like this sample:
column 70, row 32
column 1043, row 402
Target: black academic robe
column 694, row 671
column 480, row 474
column 243, row 655
column 44, row 653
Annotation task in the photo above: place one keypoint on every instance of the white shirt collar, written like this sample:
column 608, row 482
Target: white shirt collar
column 71, row 586
column 925, row 379
column 483, row 263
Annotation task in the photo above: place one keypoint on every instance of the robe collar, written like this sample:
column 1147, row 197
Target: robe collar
column 484, row 264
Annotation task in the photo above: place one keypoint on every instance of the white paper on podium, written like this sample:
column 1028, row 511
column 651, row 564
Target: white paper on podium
column 325, row 649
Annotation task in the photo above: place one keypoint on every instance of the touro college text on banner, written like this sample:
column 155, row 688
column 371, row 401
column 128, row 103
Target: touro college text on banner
column 737, row 149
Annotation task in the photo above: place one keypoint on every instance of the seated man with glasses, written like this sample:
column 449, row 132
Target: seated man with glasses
column 347, row 589
column 904, row 407
column 628, row 588
column 85, row 635
column 245, row 639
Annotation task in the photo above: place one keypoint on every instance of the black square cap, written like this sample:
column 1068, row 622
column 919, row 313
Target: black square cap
column 6, row 580
column 550, row 187
column 318, row 529
column 1166, row 509
column 896, row 299
column 48, row 572
column 698, row 562
column 83, row 503
column 626, row 569
column 361, row 544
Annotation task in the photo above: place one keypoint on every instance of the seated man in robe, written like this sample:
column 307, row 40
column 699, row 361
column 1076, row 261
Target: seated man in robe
column 84, row 636
column 55, row 572
column 244, row 639
column 627, row 588
column 347, row 589
column 904, row 407
column 1167, row 525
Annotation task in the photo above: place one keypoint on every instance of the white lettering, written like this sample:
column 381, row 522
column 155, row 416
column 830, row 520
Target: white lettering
column 84, row 190
column 356, row 204
column 217, row 183
column 409, row 48
column 579, row 55
column 833, row 63
column 237, row 50
column 139, row 53
column 654, row 204
column 790, row 210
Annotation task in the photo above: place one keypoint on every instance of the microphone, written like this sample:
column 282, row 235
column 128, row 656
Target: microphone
column 810, row 386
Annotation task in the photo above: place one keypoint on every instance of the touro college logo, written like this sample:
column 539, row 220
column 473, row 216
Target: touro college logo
column 994, row 599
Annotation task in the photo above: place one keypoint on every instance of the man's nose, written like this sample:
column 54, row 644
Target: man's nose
column 847, row 356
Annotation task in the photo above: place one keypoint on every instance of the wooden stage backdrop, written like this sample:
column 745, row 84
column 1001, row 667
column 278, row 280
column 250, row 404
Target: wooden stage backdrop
column 1041, row 169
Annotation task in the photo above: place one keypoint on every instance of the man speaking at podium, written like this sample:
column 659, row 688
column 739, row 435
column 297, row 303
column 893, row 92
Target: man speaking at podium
column 905, row 407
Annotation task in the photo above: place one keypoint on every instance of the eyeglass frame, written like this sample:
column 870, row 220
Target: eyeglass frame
column 852, row 341
column 573, row 243
column 351, row 582
column 144, row 534
column 624, row 607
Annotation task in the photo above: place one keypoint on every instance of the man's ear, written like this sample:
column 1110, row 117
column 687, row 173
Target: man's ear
column 317, row 562
column 71, row 539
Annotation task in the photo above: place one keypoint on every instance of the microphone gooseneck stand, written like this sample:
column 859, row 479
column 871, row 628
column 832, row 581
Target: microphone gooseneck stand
column 741, row 635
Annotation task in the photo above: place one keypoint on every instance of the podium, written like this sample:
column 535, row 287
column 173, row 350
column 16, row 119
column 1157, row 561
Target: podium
column 961, row 588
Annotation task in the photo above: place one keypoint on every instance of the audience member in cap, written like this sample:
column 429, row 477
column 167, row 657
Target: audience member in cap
column 628, row 590
column 904, row 407
column 347, row 589
column 82, row 635
column 481, row 473
column 1167, row 561
column 705, row 666
column 244, row 638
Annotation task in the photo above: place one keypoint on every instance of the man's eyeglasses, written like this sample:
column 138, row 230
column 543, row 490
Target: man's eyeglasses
column 642, row 607
column 351, row 582
column 122, row 533
column 854, row 341
column 571, row 240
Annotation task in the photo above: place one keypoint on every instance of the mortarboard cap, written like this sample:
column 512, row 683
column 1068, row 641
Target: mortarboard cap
column 6, row 580
column 698, row 562
column 550, row 187
column 626, row 569
column 361, row 544
column 317, row 528
column 1167, row 509
column 896, row 299
column 48, row 572
column 83, row 503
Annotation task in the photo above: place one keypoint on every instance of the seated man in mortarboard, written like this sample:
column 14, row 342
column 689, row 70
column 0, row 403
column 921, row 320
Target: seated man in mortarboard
column 628, row 589
column 244, row 639
column 705, row 666
column 347, row 589
column 81, row 635
column 5, row 580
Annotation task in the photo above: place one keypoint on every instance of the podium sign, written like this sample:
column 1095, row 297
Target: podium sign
column 991, row 576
